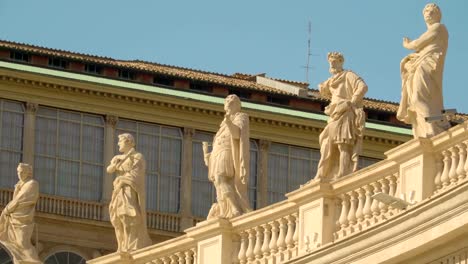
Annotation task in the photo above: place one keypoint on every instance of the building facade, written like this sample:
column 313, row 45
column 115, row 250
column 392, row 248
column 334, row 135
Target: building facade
column 62, row 111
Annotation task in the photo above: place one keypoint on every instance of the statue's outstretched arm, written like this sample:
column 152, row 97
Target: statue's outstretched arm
column 422, row 41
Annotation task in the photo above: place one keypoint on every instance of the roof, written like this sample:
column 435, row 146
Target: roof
column 240, row 80
column 155, row 68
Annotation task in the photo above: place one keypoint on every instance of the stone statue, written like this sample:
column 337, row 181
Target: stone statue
column 228, row 162
column 127, row 208
column 421, row 75
column 341, row 140
column 17, row 219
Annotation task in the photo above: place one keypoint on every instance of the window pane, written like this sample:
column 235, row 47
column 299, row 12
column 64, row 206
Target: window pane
column 12, row 131
column 44, row 172
column 8, row 164
column 46, row 136
column 69, row 140
column 203, row 191
column 67, row 178
column 162, row 149
column 93, row 138
column 69, row 153
column 152, row 191
column 11, row 141
column 91, row 182
column 288, row 168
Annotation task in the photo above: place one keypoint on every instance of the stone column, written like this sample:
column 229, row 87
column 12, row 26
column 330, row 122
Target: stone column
column 109, row 146
column 186, row 181
column 28, row 132
column 262, row 172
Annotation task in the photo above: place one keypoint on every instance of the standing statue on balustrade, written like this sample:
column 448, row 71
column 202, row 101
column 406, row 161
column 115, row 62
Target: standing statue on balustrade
column 228, row 162
column 128, row 204
column 341, row 140
column 421, row 75
column 17, row 218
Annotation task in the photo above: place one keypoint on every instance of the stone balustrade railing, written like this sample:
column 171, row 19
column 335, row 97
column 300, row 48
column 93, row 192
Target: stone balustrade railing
column 322, row 213
column 183, row 253
column 452, row 165
column 69, row 207
column 91, row 210
column 358, row 209
column 163, row 221
column 269, row 241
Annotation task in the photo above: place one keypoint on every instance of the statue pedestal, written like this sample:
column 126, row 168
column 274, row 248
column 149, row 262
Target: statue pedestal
column 215, row 240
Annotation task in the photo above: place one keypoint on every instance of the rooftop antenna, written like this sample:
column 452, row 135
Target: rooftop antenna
column 309, row 52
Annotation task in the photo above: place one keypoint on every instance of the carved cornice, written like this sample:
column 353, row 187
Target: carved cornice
column 141, row 100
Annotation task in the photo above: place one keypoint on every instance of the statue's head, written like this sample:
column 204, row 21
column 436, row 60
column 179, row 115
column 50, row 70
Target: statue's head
column 232, row 104
column 25, row 171
column 336, row 60
column 432, row 14
column 126, row 142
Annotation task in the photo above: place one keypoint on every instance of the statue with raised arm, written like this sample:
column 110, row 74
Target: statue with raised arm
column 341, row 140
column 17, row 218
column 127, row 208
column 421, row 75
column 228, row 162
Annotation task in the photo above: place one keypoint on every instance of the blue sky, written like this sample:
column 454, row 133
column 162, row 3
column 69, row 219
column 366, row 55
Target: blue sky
column 248, row 36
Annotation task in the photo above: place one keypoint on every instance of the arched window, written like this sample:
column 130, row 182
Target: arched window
column 5, row 257
column 162, row 148
column 11, row 140
column 65, row 257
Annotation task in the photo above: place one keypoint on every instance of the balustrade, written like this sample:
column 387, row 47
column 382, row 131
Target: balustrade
column 266, row 242
column 451, row 166
column 359, row 210
column 180, row 257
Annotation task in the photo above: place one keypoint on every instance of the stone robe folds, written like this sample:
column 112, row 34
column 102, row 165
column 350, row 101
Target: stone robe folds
column 228, row 169
column 17, row 228
column 345, row 123
column 421, row 75
column 128, row 204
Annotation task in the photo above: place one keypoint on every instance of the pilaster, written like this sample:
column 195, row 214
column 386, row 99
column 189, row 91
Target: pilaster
column 28, row 132
column 109, row 142
column 262, row 172
column 186, row 181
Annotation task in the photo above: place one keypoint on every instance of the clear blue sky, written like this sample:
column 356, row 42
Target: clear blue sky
column 248, row 36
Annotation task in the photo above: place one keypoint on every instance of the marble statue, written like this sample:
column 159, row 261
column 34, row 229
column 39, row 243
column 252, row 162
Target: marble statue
column 127, row 207
column 341, row 140
column 228, row 162
column 17, row 218
column 421, row 75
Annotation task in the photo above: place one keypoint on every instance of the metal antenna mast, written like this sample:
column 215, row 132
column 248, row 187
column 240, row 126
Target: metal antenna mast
column 309, row 53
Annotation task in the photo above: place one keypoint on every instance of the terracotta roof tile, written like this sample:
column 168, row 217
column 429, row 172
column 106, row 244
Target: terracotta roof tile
column 240, row 80
column 146, row 66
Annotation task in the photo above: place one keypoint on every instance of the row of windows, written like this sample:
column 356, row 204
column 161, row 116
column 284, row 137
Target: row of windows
column 69, row 151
